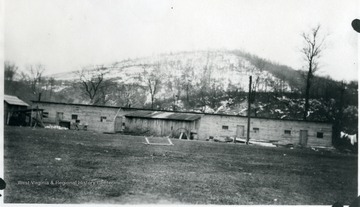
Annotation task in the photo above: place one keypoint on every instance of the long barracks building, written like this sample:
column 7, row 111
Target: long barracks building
column 170, row 123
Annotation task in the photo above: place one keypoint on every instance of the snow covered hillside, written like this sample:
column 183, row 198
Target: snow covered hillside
column 222, row 68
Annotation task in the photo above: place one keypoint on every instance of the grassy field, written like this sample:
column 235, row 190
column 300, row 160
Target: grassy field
column 55, row 166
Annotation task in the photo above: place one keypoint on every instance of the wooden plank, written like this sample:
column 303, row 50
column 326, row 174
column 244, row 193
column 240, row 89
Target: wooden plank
column 170, row 141
column 158, row 144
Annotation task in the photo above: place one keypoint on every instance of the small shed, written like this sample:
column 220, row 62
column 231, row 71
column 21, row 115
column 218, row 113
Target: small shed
column 160, row 123
column 12, row 110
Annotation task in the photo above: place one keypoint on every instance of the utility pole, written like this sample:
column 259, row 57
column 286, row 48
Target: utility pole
column 248, row 113
column 39, row 99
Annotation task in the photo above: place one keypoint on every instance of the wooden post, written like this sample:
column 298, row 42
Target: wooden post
column 8, row 118
column 31, row 117
column 36, row 113
column 249, row 109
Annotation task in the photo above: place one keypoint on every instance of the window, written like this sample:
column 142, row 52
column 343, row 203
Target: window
column 45, row 114
column 256, row 130
column 77, row 121
column 225, row 127
column 287, row 132
column 319, row 135
column 74, row 116
column 103, row 119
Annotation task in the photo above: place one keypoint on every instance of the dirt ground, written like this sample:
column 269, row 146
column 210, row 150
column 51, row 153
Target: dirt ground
column 59, row 166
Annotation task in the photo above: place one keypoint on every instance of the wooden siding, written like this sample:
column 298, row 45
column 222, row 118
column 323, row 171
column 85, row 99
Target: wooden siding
column 159, row 127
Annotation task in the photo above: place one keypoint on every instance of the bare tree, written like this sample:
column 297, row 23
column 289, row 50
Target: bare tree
column 93, row 83
column 312, row 49
column 207, row 83
column 187, row 76
column 175, row 82
column 128, row 94
column 104, row 95
column 277, row 85
column 10, row 71
column 51, row 82
column 257, row 69
column 152, row 79
column 173, row 87
column 34, row 77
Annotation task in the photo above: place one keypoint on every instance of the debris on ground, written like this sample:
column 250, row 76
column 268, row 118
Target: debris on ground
column 314, row 149
column 264, row 144
column 284, row 144
column 268, row 143
column 223, row 139
column 55, row 127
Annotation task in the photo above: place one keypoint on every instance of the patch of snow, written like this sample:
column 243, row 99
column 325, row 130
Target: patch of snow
column 208, row 109
column 56, row 127
column 59, row 88
column 279, row 111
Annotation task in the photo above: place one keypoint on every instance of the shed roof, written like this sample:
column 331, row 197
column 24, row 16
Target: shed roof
column 13, row 100
column 164, row 115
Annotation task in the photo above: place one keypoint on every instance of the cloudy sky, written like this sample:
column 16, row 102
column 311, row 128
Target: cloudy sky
column 65, row 34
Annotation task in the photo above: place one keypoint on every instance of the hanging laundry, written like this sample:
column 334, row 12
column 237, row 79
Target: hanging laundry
column 352, row 139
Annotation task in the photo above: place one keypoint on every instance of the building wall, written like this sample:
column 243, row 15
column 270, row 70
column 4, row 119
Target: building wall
column 159, row 127
column 87, row 115
column 267, row 129
column 208, row 125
